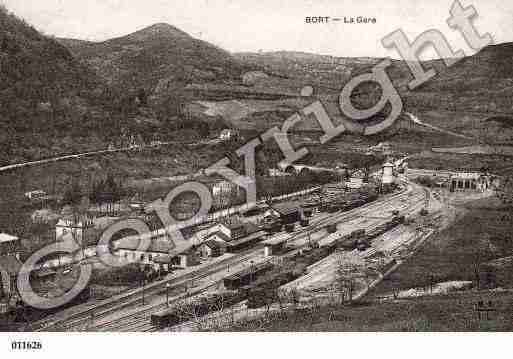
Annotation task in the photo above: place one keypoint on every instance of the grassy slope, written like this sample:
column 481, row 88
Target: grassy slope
column 452, row 312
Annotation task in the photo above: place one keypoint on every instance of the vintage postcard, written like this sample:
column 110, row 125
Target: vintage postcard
column 255, row 166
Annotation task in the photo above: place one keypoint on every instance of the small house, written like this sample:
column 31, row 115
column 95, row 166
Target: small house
column 36, row 195
column 228, row 134
column 289, row 212
column 211, row 248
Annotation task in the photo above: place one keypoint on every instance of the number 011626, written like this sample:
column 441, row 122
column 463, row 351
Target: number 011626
column 21, row 345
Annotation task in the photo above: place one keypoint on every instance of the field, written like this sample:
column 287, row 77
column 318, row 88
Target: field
column 481, row 233
column 497, row 164
column 454, row 312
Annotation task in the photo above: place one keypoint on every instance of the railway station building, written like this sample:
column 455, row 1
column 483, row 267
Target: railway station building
column 469, row 181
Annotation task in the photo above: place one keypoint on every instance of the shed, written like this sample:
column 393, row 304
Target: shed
column 276, row 244
column 237, row 229
column 246, row 276
column 211, row 248
column 218, row 237
column 289, row 212
column 245, row 241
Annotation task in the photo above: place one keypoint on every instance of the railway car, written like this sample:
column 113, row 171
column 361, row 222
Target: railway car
column 246, row 276
column 349, row 241
column 332, row 228
column 273, row 227
column 289, row 228
column 385, row 227
column 362, row 244
column 304, row 223
column 264, row 291
column 186, row 311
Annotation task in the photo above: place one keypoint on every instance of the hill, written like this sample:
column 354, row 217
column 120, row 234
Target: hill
column 45, row 93
column 479, row 83
column 155, row 56
column 62, row 96
column 326, row 72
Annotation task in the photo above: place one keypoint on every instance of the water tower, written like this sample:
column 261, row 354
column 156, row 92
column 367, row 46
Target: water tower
column 388, row 173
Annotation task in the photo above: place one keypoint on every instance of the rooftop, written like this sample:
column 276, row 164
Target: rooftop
column 467, row 175
column 288, row 207
column 246, row 239
column 157, row 245
column 221, row 235
column 4, row 238
column 282, row 238
column 213, row 244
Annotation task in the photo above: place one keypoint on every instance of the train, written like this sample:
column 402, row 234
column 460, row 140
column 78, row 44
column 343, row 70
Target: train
column 254, row 284
column 338, row 204
column 257, row 293
column 385, row 227
column 246, row 276
column 361, row 239
column 264, row 292
column 188, row 310
column 258, row 283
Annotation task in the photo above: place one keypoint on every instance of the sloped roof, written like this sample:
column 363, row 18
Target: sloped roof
column 219, row 234
column 232, row 225
column 246, row 239
column 212, row 244
column 467, row 175
column 165, row 259
column 288, row 207
column 157, row 245
column 4, row 238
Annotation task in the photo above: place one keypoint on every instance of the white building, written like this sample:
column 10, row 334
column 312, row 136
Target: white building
column 387, row 176
column 228, row 134
column 470, row 181
column 34, row 195
column 159, row 254
column 81, row 228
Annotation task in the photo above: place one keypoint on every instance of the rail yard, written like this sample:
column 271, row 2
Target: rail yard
column 252, row 277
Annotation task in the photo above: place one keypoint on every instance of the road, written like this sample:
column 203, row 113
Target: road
column 81, row 155
column 417, row 121
column 126, row 312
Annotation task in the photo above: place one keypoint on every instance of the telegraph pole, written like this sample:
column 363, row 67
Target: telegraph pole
column 142, row 284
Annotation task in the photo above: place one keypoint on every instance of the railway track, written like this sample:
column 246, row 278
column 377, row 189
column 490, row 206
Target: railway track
column 140, row 320
column 103, row 309
column 126, row 322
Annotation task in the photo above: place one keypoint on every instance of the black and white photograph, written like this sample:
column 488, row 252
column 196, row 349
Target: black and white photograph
column 236, row 166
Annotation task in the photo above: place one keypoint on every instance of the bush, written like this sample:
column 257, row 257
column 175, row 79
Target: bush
column 426, row 181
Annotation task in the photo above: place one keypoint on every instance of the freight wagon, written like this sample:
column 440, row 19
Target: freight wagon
column 194, row 309
column 246, row 276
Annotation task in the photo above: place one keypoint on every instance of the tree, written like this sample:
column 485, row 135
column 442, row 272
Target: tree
column 72, row 195
column 505, row 191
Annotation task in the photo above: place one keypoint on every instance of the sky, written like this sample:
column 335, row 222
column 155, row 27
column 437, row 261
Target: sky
column 267, row 25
